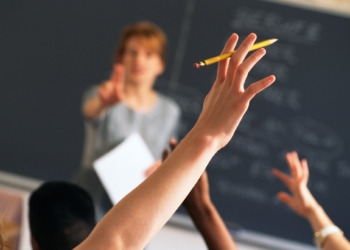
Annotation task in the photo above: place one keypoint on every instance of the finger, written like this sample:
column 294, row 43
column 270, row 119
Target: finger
column 244, row 68
column 298, row 168
column 285, row 198
column 115, row 71
column 204, row 176
column 286, row 179
column 305, row 169
column 165, row 154
column 150, row 170
column 103, row 93
column 257, row 87
column 119, row 72
column 238, row 57
column 172, row 144
column 294, row 164
column 118, row 82
column 222, row 65
column 156, row 165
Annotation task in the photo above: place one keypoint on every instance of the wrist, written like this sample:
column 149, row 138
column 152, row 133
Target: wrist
column 318, row 218
column 201, row 210
column 200, row 137
column 313, row 211
column 321, row 235
column 197, row 205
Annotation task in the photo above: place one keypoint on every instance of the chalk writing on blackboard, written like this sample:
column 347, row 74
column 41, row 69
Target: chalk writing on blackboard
column 315, row 137
column 266, row 67
column 226, row 187
column 273, row 23
column 343, row 169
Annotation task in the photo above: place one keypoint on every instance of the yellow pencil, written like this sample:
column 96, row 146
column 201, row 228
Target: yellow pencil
column 229, row 54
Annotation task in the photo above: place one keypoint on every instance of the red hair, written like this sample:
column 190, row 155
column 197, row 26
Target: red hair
column 151, row 36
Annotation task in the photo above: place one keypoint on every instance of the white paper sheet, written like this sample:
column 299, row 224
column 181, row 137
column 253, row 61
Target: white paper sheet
column 123, row 168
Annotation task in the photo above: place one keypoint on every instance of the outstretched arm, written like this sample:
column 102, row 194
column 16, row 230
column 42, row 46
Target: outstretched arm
column 204, row 214
column 133, row 222
column 303, row 203
column 109, row 93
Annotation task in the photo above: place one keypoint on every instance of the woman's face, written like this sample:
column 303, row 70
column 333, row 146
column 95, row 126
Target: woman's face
column 142, row 64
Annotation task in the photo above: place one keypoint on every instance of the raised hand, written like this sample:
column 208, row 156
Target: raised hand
column 227, row 101
column 126, row 226
column 302, row 202
column 112, row 91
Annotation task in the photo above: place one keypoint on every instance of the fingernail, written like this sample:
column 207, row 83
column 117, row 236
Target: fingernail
column 262, row 51
column 252, row 35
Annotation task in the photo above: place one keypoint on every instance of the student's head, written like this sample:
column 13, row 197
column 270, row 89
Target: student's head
column 142, row 51
column 61, row 216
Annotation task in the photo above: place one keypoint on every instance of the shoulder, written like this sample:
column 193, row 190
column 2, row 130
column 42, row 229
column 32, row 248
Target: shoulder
column 168, row 104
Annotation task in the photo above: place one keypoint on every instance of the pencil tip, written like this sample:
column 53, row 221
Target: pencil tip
column 273, row 40
column 196, row 65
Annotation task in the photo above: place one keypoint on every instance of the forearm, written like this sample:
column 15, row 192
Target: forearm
column 318, row 220
column 141, row 214
column 94, row 108
column 336, row 241
column 208, row 221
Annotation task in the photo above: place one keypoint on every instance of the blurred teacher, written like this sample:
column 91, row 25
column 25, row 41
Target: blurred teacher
column 127, row 103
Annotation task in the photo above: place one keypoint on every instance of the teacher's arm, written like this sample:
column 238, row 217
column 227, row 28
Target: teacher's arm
column 109, row 93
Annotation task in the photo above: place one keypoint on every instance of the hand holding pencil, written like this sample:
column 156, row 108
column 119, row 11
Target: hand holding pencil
column 229, row 54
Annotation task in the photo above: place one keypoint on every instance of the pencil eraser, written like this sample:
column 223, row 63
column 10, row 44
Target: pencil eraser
column 196, row 65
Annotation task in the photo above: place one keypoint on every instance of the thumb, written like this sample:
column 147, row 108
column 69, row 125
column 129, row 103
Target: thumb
column 118, row 74
column 285, row 198
column 157, row 163
column 153, row 168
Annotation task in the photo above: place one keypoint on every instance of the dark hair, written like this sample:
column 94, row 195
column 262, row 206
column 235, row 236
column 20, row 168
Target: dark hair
column 61, row 215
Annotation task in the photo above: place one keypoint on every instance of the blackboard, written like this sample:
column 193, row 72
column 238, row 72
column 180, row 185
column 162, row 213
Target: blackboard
column 307, row 109
column 50, row 52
